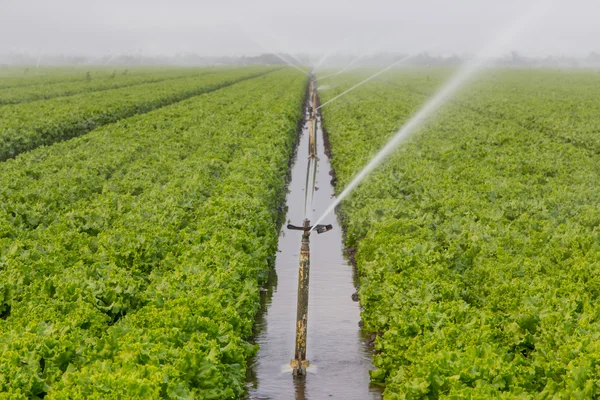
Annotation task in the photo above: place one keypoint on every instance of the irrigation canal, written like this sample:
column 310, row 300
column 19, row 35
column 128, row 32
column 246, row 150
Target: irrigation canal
column 339, row 358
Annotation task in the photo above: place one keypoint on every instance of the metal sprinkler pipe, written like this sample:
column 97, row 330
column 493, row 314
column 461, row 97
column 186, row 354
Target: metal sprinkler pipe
column 300, row 363
column 311, row 171
column 312, row 145
column 312, row 120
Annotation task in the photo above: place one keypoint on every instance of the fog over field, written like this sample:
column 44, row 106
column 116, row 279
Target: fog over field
column 240, row 27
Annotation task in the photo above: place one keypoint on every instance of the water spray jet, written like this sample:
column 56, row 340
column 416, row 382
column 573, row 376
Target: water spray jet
column 467, row 72
column 344, row 68
column 402, row 60
column 276, row 54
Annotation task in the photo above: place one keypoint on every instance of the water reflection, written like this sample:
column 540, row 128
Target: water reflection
column 339, row 358
column 300, row 387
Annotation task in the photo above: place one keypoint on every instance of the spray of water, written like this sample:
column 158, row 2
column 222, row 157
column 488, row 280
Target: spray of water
column 288, row 62
column 276, row 54
column 340, row 45
column 322, row 60
column 329, row 75
column 277, row 40
column 345, row 67
column 111, row 58
column 39, row 60
column 536, row 11
column 381, row 43
column 402, row 60
column 291, row 64
column 287, row 369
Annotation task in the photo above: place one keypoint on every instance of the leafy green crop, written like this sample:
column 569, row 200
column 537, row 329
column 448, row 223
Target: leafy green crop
column 46, row 76
column 141, row 280
column 26, row 126
column 22, row 94
column 478, row 240
column 560, row 104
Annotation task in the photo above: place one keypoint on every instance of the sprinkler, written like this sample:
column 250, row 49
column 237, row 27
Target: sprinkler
column 311, row 172
column 300, row 363
column 312, row 121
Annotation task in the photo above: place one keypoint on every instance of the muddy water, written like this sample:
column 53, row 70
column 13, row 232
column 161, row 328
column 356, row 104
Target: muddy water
column 339, row 358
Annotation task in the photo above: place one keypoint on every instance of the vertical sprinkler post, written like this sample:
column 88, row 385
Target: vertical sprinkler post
column 314, row 118
column 300, row 363
column 312, row 121
column 311, row 138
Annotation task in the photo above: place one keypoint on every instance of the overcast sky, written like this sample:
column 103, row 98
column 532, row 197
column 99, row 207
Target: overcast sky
column 234, row 27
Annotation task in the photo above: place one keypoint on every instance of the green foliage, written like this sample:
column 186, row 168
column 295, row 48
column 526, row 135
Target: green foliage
column 26, row 126
column 478, row 241
column 131, row 257
column 91, row 83
column 16, row 77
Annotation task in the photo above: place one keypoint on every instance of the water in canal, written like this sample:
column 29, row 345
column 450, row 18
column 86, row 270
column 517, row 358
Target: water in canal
column 339, row 358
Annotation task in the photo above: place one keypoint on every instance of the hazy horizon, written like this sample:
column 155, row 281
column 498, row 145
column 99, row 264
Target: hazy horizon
column 235, row 28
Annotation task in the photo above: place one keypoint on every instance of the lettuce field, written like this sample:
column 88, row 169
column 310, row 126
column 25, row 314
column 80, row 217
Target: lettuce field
column 131, row 256
column 478, row 241
column 140, row 211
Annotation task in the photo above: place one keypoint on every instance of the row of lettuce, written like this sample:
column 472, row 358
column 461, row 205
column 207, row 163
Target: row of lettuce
column 478, row 241
column 24, row 76
column 89, row 82
column 131, row 257
column 562, row 104
column 26, row 126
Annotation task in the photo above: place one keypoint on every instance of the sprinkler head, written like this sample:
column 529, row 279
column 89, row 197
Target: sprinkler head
column 307, row 228
column 323, row 228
